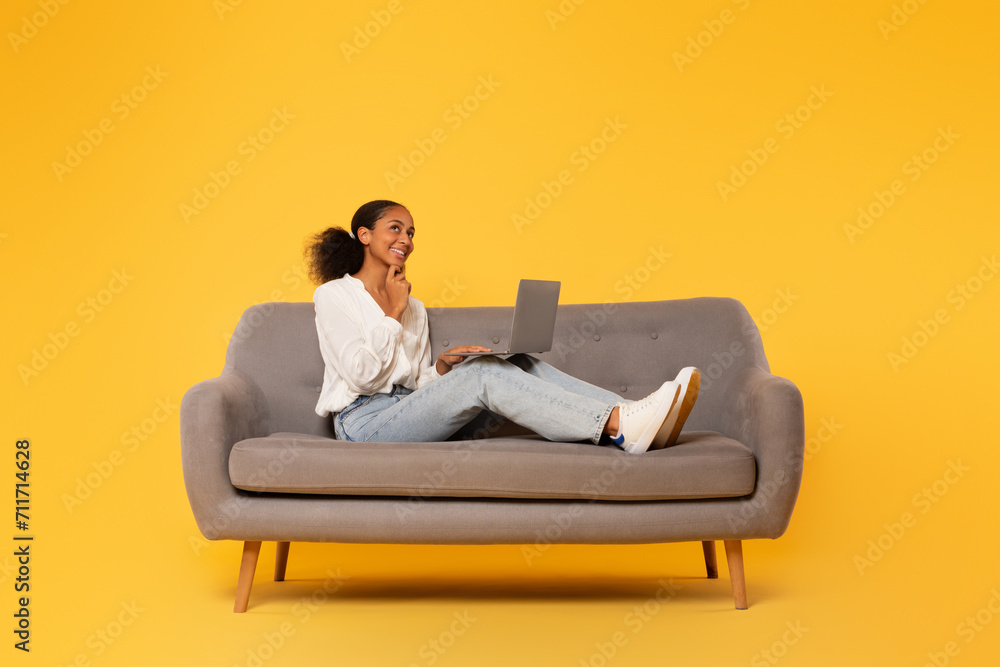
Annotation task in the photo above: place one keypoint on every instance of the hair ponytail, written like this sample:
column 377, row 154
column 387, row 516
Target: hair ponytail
column 336, row 251
column 332, row 253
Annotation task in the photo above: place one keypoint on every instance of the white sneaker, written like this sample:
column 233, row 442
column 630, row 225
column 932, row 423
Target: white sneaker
column 640, row 422
column 689, row 380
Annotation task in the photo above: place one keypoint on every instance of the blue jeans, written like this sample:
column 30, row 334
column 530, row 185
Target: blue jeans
column 477, row 393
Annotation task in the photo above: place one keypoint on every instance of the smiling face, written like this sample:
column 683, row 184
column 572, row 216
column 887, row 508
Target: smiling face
column 391, row 241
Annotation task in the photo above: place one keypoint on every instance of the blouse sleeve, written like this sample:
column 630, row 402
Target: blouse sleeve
column 428, row 362
column 363, row 358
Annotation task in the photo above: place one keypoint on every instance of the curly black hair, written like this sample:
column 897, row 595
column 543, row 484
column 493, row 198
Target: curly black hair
column 335, row 251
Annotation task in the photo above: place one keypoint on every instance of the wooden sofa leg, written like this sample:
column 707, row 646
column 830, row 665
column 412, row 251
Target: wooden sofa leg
column 711, row 565
column 280, row 561
column 248, row 565
column 734, row 556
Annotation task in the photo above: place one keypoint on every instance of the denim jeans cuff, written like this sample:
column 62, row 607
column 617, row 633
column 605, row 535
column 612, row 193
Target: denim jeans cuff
column 600, row 425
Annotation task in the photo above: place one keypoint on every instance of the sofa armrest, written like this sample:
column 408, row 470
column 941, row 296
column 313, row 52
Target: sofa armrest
column 215, row 415
column 765, row 413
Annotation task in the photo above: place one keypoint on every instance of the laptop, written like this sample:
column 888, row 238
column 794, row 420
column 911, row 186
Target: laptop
column 534, row 321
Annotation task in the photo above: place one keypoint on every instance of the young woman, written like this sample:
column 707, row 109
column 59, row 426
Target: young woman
column 384, row 385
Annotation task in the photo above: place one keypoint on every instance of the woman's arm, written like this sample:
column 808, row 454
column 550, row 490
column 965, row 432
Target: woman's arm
column 446, row 362
column 430, row 370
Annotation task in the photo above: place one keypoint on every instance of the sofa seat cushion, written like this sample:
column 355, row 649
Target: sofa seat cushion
column 703, row 464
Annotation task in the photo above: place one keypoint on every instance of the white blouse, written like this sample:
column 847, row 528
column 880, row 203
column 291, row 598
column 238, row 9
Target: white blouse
column 365, row 351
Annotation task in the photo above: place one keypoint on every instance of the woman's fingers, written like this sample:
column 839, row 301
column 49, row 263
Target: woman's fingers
column 396, row 277
column 468, row 348
column 398, row 290
column 448, row 357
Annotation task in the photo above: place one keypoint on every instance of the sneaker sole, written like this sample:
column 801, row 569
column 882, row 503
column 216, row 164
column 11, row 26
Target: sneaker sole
column 690, row 396
column 653, row 430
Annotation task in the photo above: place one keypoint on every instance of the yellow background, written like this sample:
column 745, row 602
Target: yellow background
column 832, row 304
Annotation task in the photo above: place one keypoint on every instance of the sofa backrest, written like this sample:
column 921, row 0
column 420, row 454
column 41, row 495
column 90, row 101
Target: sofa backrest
column 628, row 348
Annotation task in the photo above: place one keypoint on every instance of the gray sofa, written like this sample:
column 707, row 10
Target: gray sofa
column 260, row 465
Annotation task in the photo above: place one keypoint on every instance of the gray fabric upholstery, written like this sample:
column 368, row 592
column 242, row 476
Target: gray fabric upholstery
column 273, row 372
column 703, row 464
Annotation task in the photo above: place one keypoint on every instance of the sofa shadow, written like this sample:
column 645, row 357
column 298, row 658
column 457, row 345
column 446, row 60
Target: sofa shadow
column 503, row 589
